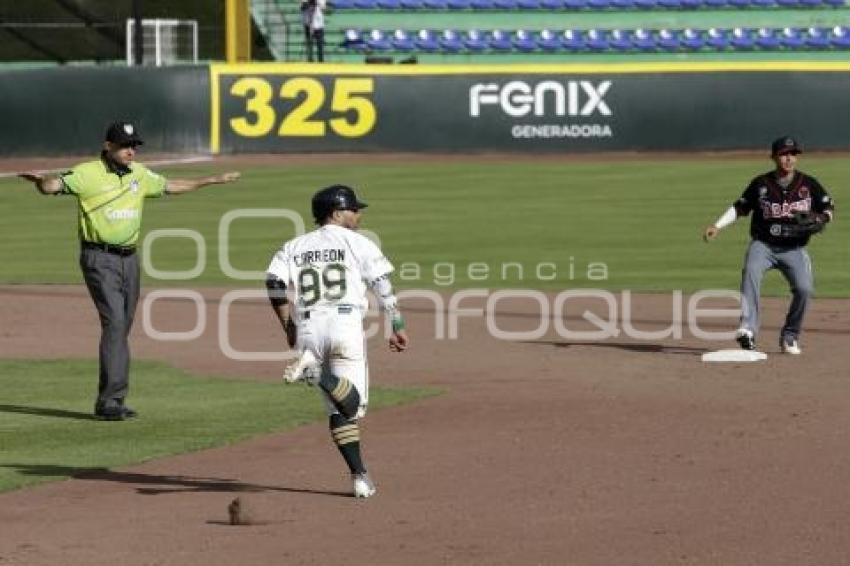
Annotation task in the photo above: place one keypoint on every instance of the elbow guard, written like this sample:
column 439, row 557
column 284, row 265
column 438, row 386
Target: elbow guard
column 277, row 291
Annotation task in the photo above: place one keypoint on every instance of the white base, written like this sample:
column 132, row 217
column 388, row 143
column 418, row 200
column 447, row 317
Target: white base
column 734, row 356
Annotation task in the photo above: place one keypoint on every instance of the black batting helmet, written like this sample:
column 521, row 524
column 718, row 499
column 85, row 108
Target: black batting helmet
column 335, row 197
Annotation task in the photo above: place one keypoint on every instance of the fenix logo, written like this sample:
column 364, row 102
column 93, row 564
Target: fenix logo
column 518, row 98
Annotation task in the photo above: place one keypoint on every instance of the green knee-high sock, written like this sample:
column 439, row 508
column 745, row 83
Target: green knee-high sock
column 346, row 436
column 342, row 392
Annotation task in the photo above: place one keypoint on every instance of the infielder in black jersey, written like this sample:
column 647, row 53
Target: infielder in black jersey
column 788, row 206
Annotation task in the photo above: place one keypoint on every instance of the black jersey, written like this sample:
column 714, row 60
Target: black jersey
column 774, row 207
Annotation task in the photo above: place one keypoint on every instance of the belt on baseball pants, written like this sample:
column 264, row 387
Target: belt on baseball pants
column 109, row 248
column 342, row 309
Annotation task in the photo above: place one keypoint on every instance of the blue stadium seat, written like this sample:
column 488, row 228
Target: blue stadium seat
column 646, row 4
column 572, row 40
column 552, row 4
column 377, row 40
column 670, row 4
column 548, row 41
column 621, row 40
column 365, row 4
column 763, row 3
column 717, row 39
column 741, row 3
column 500, row 41
column 412, row 4
column 692, row 39
column 667, row 40
column 505, row 4
column 835, row 3
column 575, row 4
column 528, row 4
column 715, row 3
column 388, row 4
column 791, row 38
column 768, row 38
column 788, row 3
column 691, row 4
column 623, row 4
column 352, row 39
column 436, row 4
column 818, row 38
column 524, row 41
column 402, row 41
column 811, row 3
column 482, row 4
column 643, row 40
column 599, row 4
column 342, row 4
column 459, row 4
column 475, row 40
column 742, row 39
column 597, row 40
column 426, row 40
column 451, row 41
column 840, row 37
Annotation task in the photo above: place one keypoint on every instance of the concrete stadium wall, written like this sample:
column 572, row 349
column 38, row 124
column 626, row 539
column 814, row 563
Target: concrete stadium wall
column 368, row 108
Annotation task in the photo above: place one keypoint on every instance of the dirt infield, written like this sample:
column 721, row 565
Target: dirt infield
column 547, row 451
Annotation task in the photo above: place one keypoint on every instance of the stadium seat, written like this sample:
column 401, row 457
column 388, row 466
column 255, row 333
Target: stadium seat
column 365, row 4
column 742, row 39
column 715, row 3
column 791, row 38
column 402, row 41
column 596, row 40
column 818, row 38
column 599, row 4
column 692, row 39
column 623, row 4
column 717, row 39
column 763, row 3
column 552, row 4
column 643, row 40
column 788, row 3
column 482, row 4
column 621, row 40
column 505, row 4
column 811, row 3
column 459, row 4
column 523, row 41
column 475, row 40
column 572, row 40
column 427, row 41
column 388, row 4
column 667, row 40
column 528, row 4
column 646, row 4
column 670, row 4
column 548, row 41
column 353, row 40
column 767, row 38
column 450, row 41
column 412, row 4
column 835, row 3
column 500, row 41
column 378, row 41
column 342, row 4
column 840, row 37
column 436, row 4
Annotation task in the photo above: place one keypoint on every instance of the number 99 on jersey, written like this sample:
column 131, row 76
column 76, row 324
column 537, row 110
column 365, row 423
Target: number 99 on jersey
column 298, row 107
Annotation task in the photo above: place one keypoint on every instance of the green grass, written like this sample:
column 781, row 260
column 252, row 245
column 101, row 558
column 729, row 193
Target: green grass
column 47, row 432
column 641, row 219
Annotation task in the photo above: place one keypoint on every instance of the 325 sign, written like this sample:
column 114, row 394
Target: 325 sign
column 302, row 107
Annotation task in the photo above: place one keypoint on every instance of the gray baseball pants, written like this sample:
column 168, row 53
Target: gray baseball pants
column 113, row 283
column 795, row 265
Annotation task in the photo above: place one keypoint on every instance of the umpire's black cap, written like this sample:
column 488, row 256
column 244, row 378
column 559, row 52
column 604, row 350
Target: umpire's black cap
column 785, row 144
column 123, row 133
column 335, row 197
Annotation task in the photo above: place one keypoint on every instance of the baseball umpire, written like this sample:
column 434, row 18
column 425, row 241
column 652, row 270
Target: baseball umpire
column 788, row 207
column 331, row 268
column 110, row 194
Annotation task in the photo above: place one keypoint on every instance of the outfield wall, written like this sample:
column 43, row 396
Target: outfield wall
column 368, row 108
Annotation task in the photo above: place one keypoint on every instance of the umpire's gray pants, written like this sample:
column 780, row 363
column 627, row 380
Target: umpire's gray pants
column 795, row 264
column 113, row 283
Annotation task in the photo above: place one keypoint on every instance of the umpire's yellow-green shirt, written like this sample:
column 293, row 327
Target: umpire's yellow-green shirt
column 110, row 206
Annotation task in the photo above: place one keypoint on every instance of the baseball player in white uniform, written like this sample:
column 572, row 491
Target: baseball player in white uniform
column 328, row 271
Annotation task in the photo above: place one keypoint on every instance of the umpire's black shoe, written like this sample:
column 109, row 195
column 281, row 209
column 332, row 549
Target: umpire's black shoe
column 745, row 340
column 110, row 413
column 128, row 412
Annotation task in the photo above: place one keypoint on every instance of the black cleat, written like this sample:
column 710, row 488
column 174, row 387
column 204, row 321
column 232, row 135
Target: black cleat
column 746, row 341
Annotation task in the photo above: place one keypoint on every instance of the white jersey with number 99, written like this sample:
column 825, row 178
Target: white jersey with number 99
column 329, row 267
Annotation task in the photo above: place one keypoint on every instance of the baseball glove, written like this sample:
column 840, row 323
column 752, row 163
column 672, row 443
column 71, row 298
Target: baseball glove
column 809, row 223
